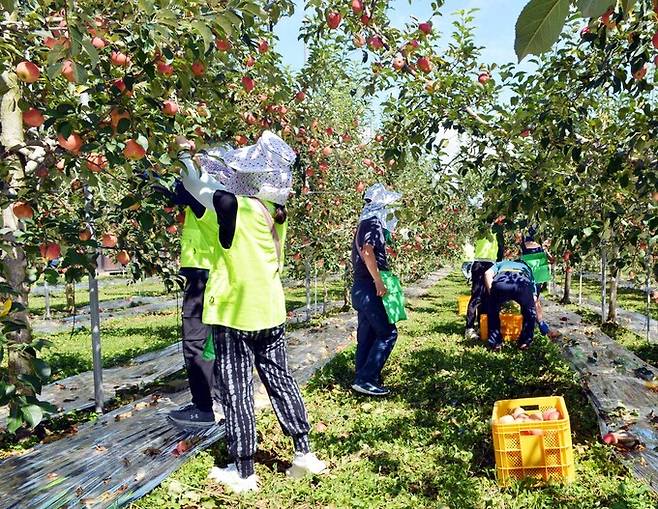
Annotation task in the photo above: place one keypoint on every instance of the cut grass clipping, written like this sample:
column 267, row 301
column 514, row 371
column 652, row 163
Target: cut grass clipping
column 429, row 444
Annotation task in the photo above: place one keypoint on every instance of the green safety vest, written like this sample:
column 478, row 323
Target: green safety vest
column 486, row 249
column 244, row 290
column 540, row 266
column 199, row 240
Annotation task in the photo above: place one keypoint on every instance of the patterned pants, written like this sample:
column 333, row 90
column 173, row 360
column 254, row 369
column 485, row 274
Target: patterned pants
column 238, row 352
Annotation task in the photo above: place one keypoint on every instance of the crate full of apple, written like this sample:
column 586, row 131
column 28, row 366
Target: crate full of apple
column 532, row 439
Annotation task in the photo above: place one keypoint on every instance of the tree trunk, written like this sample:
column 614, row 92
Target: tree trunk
column 566, row 296
column 69, row 292
column 14, row 262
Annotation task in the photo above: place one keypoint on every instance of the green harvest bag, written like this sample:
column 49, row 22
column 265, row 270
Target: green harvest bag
column 538, row 263
column 394, row 298
column 208, row 349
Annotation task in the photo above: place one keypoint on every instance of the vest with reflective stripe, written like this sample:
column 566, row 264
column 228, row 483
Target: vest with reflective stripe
column 486, row 249
column 199, row 240
column 244, row 290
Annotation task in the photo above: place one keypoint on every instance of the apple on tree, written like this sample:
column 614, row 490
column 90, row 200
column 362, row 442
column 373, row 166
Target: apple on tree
column 33, row 117
column 27, row 72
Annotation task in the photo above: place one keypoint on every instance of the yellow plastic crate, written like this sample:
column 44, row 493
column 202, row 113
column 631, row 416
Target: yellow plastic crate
column 510, row 326
column 538, row 450
column 462, row 304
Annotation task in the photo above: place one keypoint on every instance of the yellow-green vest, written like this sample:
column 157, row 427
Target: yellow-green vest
column 486, row 248
column 199, row 240
column 244, row 290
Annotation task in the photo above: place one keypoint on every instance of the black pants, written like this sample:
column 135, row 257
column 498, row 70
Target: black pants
column 514, row 286
column 200, row 372
column 237, row 354
column 478, row 293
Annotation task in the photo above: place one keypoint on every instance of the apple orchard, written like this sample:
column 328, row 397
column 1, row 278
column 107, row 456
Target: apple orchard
column 96, row 94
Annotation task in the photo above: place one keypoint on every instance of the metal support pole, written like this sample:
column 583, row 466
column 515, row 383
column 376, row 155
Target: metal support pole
column 95, row 316
column 604, row 282
column 580, row 287
column 46, row 296
column 315, row 289
column 648, row 291
column 307, row 270
column 96, row 341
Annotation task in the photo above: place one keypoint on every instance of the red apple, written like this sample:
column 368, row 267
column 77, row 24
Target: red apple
column 121, row 87
column 379, row 138
column 483, row 78
column 424, row 64
column 584, row 31
column 98, row 42
column 169, row 108
column 334, row 19
column 109, row 240
column 33, row 117
column 359, row 40
column 365, row 19
column 250, row 61
column 84, row 235
column 310, row 172
column 119, row 59
column 165, row 69
column 368, row 162
column 241, row 140
column 248, row 83
column 326, row 151
column 27, row 72
column 640, row 73
column 525, row 133
column 22, row 210
column 133, row 150
column 376, row 42
column 357, row 6
column 223, row 44
column 72, row 143
column 398, row 63
column 123, row 257
column 50, row 251
column 67, row 70
column 654, row 40
column 51, row 42
column 300, row 96
column 172, row 228
column 425, row 27
column 329, row 131
column 96, row 162
column 263, row 46
column 116, row 116
column 360, row 187
column 198, row 69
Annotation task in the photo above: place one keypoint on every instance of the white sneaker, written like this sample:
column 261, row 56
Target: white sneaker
column 471, row 335
column 230, row 478
column 305, row 464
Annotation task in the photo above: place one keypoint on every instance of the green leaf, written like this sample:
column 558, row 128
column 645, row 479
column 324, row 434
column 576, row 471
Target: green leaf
column 13, row 423
column 204, row 32
column 594, row 8
column 32, row 414
column 539, row 26
column 76, row 40
column 146, row 6
column 41, row 368
column 53, row 70
column 79, row 73
column 225, row 24
column 91, row 51
column 587, row 231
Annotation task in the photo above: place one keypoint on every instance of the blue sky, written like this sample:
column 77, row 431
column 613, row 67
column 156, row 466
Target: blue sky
column 494, row 22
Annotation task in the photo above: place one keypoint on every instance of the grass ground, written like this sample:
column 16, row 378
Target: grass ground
column 629, row 299
column 127, row 337
column 108, row 290
column 428, row 445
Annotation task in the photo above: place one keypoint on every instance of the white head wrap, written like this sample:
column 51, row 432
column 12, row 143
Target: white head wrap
column 262, row 170
column 378, row 201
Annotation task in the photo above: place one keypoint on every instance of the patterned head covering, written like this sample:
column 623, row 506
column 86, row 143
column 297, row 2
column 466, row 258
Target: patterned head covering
column 262, row 170
column 378, row 204
column 211, row 160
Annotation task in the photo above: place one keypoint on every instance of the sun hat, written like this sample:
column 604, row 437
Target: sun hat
column 211, row 159
column 262, row 170
column 378, row 204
